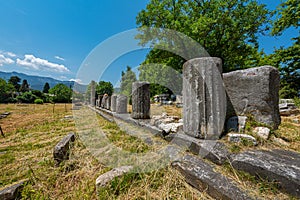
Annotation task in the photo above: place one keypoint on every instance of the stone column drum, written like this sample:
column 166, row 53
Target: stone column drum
column 107, row 103
column 121, row 104
column 140, row 100
column 93, row 93
column 113, row 103
column 103, row 101
column 204, row 98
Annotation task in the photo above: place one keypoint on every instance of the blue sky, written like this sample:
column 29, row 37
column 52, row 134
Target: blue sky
column 53, row 38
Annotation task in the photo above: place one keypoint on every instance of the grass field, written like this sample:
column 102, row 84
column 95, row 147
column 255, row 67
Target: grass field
column 31, row 132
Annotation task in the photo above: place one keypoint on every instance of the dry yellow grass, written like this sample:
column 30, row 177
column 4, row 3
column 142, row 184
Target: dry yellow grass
column 26, row 152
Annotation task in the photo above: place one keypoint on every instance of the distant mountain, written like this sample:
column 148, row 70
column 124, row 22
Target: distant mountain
column 38, row 82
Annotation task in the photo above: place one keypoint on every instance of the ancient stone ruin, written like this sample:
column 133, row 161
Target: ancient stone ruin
column 214, row 104
column 140, row 100
column 254, row 91
column 61, row 151
column 204, row 99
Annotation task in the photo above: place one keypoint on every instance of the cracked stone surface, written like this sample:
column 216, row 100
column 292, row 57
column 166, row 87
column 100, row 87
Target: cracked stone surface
column 202, row 176
column 276, row 165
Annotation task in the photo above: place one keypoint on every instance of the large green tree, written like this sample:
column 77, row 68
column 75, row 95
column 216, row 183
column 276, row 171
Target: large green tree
column 6, row 91
column 61, row 93
column 128, row 78
column 25, row 86
column 46, row 88
column 15, row 81
column 104, row 87
column 226, row 29
column 288, row 59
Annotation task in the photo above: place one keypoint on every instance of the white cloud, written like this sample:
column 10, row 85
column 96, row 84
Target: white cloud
column 5, row 60
column 10, row 54
column 76, row 80
column 59, row 58
column 32, row 62
column 7, row 53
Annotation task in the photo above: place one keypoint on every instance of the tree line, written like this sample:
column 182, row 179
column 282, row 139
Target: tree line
column 12, row 91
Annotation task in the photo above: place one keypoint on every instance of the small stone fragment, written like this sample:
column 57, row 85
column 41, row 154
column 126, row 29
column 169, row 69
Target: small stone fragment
column 105, row 178
column 280, row 141
column 61, row 150
column 234, row 137
column 262, row 132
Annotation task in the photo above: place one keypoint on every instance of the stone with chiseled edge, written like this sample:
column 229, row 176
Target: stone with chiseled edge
column 254, row 91
column 202, row 176
column 13, row 191
column 276, row 165
column 61, row 150
column 212, row 150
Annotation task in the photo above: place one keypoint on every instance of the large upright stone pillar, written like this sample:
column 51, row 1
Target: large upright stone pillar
column 93, row 93
column 140, row 100
column 204, row 98
column 121, row 104
column 113, row 103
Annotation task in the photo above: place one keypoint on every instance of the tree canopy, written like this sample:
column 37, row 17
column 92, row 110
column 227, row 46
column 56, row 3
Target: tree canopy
column 61, row 93
column 288, row 59
column 6, row 91
column 128, row 78
column 104, row 87
column 15, row 81
column 25, row 86
column 46, row 88
column 226, row 29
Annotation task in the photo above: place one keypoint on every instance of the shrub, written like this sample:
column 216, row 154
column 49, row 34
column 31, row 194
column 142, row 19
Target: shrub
column 297, row 102
column 38, row 101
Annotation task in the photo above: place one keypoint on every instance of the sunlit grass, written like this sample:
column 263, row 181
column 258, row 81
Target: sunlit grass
column 31, row 133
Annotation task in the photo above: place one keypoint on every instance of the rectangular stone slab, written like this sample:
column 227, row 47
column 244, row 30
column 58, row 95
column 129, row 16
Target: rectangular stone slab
column 13, row 191
column 277, row 165
column 202, row 176
column 61, row 150
column 254, row 91
column 212, row 150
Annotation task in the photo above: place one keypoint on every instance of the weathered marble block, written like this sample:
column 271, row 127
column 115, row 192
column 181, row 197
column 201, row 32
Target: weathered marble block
column 107, row 103
column 254, row 91
column 61, row 150
column 140, row 100
column 113, row 103
column 121, row 105
column 204, row 98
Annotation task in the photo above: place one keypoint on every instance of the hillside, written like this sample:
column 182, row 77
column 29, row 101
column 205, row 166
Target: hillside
column 35, row 82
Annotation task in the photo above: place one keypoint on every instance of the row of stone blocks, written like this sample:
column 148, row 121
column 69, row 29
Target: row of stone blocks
column 210, row 97
column 114, row 103
column 118, row 103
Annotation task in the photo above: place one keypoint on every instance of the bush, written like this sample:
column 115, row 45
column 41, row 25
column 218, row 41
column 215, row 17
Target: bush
column 297, row 102
column 38, row 101
column 26, row 97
